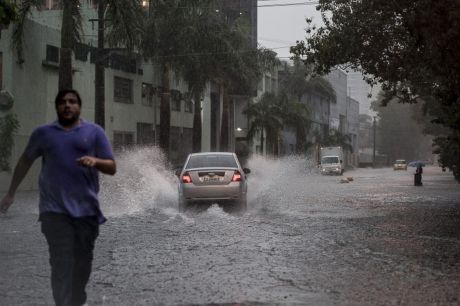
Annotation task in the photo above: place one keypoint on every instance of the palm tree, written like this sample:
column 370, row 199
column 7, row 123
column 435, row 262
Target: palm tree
column 124, row 22
column 123, row 29
column 265, row 116
column 201, row 65
column 295, row 115
column 336, row 138
column 240, row 73
column 70, row 34
column 172, row 34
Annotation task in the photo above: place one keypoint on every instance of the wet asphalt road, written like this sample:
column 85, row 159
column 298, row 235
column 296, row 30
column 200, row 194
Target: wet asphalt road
column 306, row 239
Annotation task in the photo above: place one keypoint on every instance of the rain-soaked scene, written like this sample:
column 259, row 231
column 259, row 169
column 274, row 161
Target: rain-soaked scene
column 222, row 152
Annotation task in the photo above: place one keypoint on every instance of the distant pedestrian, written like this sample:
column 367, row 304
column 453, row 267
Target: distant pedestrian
column 73, row 152
column 418, row 175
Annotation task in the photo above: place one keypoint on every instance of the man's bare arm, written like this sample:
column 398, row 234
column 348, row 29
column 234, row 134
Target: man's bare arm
column 20, row 171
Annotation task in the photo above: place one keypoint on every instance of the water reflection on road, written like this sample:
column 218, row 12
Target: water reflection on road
column 305, row 239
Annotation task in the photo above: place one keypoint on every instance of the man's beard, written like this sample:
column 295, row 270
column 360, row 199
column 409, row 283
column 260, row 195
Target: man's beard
column 68, row 122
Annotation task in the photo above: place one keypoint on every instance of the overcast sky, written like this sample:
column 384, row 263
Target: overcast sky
column 280, row 26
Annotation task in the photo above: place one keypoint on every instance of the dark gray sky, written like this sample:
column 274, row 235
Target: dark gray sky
column 280, row 25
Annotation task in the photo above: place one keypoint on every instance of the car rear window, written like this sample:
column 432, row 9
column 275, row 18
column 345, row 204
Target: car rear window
column 211, row 160
column 400, row 161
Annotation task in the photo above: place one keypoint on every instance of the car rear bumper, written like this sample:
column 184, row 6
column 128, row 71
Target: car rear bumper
column 192, row 192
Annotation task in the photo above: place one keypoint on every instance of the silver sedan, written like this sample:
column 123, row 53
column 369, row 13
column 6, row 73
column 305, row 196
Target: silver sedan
column 213, row 177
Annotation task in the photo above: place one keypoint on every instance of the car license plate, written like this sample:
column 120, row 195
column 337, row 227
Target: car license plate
column 211, row 179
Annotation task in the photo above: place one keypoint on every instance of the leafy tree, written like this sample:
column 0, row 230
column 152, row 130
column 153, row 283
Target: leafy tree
column 409, row 47
column 9, row 125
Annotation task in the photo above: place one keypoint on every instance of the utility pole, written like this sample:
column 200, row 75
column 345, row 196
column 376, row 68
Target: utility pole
column 373, row 154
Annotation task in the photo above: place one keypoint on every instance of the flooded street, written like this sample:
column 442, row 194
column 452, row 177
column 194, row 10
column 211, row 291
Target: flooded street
column 306, row 239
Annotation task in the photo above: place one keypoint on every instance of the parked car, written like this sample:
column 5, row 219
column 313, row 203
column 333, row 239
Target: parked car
column 213, row 177
column 400, row 164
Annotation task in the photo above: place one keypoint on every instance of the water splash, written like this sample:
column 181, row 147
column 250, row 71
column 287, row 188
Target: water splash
column 270, row 176
column 143, row 182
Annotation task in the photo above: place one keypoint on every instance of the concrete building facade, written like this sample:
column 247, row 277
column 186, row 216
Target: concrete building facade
column 132, row 88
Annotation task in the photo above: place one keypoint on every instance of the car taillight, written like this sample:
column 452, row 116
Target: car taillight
column 186, row 178
column 236, row 176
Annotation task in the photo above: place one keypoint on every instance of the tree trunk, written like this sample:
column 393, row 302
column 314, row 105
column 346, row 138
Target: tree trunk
column 224, row 126
column 197, row 123
column 262, row 141
column 165, row 110
column 67, row 43
column 99, row 91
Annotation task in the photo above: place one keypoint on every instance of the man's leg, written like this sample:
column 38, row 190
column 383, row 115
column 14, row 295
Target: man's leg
column 86, row 232
column 59, row 233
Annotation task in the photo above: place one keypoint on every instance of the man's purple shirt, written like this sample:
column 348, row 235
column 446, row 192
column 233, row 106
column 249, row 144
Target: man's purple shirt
column 65, row 186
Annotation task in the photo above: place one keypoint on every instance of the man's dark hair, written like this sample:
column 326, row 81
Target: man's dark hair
column 63, row 92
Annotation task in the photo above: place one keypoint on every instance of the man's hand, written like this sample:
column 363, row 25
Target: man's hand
column 87, row 161
column 106, row 166
column 6, row 203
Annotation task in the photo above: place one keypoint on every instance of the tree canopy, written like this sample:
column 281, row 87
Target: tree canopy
column 409, row 47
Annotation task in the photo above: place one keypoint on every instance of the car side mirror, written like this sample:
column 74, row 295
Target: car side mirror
column 178, row 171
column 246, row 170
column 340, row 161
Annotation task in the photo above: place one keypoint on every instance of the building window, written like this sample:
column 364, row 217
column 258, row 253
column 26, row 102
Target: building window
column 145, row 133
column 147, row 94
column 52, row 54
column 122, row 90
column 175, row 100
column 82, row 51
column 122, row 139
